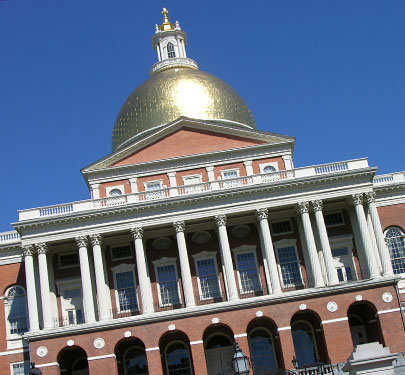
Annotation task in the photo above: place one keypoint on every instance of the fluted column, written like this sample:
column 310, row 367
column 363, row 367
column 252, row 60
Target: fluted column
column 365, row 236
column 303, row 208
column 220, row 221
column 88, row 301
column 179, row 228
column 381, row 244
column 28, row 253
column 317, row 206
column 42, row 249
column 262, row 216
column 144, row 282
column 102, row 297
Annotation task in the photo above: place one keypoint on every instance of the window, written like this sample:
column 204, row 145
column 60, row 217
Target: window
column 281, row 227
column 135, row 361
column 249, row 280
column 289, row 265
column 178, row 359
column 268, row 167
column 121, row 252
column 16, row 310
column 261, row 348
column 208, row 283
column 333, row 219
column 230, row 173
column 304, row 343
column 126, row 292
column 396, row 245
column 170, row 50
column 193, row 184
column 71, row 302
column 341, row 247
column 192, row 179
column 68, row 260
column 115, row 192
column 168, row 287
column 20, row 368
column 153, row 185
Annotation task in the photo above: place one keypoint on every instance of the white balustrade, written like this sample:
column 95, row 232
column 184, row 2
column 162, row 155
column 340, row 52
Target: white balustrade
column 11, row 236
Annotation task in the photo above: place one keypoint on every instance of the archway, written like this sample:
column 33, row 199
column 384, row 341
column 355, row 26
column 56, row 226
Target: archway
column 131, row 357
column 73, row 361
column 219, row 349
column 364, row 323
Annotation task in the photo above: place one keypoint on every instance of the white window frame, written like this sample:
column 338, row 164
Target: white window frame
column 175, row 45
column 146, row 183
column 166, row 262
column 69, row 284
column 280, row 221
column 385, row 239
column 230, row 170
column 26, row 366
column 124, row 267
column 205, row 255
column 9, row 335
column 247, row 249
column 282, row 244
column 334, row 212
column 190, row 176
column 120, row 245
column 109, row 188
column 69, row 266
column 345, row 241
column 273, row 164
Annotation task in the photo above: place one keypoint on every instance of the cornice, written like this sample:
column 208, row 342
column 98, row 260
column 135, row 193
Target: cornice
column 216, row 308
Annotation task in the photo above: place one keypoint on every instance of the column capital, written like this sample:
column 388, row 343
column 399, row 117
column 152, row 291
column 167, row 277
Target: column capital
column 303, row 207
column 357, row 199
column 370, row 197
column 262, row 214
column 81, row 241
column 220, row 220
column 137, row 233
column 95, row 186
column 248, row 162
column 42, row 248
column 133, row 179
column 179, row 226
column 317, row 205
column 96, row 239
column 28, row 250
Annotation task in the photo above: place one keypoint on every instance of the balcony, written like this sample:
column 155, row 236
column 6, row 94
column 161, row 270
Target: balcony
column 200, row 188
column 390, row 178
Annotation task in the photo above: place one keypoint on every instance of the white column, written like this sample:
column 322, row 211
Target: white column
column 88, row 301
column 317, row 206
column 288, row 162
column 184, row 48
column 262, row 216
column 102, row 298
column 220, row 221
column 134, row 184
column 173, row 184
column 95, row 188
column 373, row 239
column 158, row 52
column 381, row 244
column 310, row 241
column 210, row 173
column 28, row 252
column 144, row 283
column 42, row 249
column 365, row 236
column 179, row 228
column 249, row 167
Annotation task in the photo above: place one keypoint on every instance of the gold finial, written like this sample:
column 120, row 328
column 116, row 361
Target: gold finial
column 166, row 23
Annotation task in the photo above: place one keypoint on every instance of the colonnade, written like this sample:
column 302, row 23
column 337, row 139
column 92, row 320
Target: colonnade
column 273, row 282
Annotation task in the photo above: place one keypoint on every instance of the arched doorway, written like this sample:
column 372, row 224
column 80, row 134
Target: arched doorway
column 364, row 324
column 219, row 348
column 176, row 359
column 73, row 361
column 131, row 357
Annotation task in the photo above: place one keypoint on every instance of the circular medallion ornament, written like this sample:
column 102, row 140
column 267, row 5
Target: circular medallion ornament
column 332, row 306
column 240, row 231
column 387, row 297
column 201, row 237
column 99, row 343
column 42, row 351
column 70, row 342
column 162, row 243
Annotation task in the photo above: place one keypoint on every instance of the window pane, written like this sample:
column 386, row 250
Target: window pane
column 178, row 360
column 153, row 185
column 208, row 277
column 126, row 291
column 335, row 218
column 229, row 174
column 169, row 292
column 249, row 277
column 119, row 252
column 340, row 275
column 69, row 260
column 396, row 245
column 17, row 311
column 261, row 352
column 135, row 362
column 281, row 227
column 289, row 266
column 18, row 368
column 304, row 344
column 170, row 50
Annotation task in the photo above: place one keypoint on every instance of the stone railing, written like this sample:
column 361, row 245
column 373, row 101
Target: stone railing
column 9, row 237
column 391, row 178
column 200, row 188
column 174, row 61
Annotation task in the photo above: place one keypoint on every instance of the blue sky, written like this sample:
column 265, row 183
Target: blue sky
column 330, row 73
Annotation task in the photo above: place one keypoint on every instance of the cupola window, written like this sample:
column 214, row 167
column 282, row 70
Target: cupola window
column 170, row 50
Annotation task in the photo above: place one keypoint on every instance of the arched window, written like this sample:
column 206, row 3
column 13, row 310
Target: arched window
column 135, row 362
column 219, row 351
column 304, row 343
column 80, row 366
column 178, row 360
column 115, row 192
column 261, row 351
column 170, row 50
column 16, row 310
column 395, row 239
column 269, row 169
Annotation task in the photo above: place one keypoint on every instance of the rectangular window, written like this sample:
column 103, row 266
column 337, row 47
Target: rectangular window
column 248, row 273
column 153, row 185
column 281, row 227
column 289, row 266
column 193, row 179
column 333, row 219
column 168, row 287
column 121, row 252
column 125, row 286
column 232, row 173
column 19, row 368
column 208, row 278
column 339, row 252
column 68, row 260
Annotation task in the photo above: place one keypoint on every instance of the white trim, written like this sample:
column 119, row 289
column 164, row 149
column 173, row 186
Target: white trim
column 284, row 328
column 284, row 243
column 196, row 342
column 335, row 320
column 230, row 170
column 14, row 336
column 152, row 349
column 247, row 249
column 190, row 177
column 108, row 190
column 26, row 365
column 17, row 351
column 48, row 364
column 205, row 255
column 388, row 311
column 101, row 357
column 166, row 262
column 145, row 184
column 121, row 268
column 240, row 335
column 273, row 164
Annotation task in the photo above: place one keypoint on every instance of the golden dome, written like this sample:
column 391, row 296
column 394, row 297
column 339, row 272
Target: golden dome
column 172, row 93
